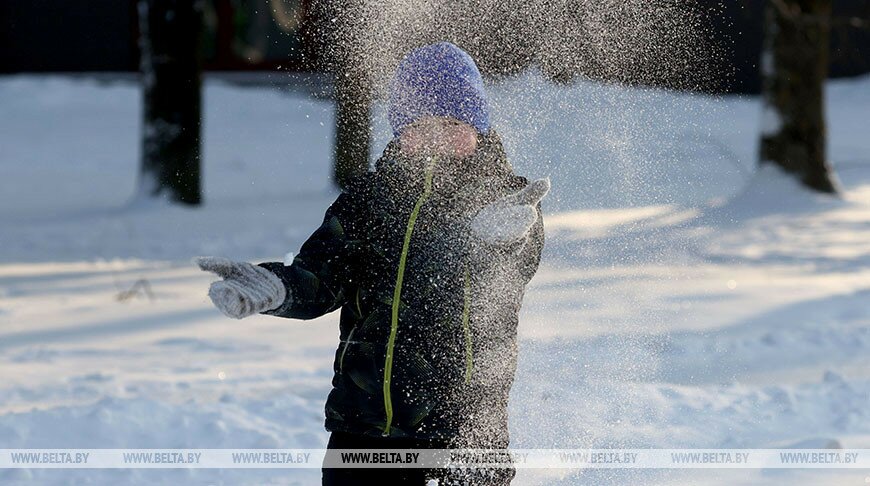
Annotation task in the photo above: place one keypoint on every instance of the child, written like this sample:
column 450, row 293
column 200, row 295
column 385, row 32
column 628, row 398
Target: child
column 428, row 257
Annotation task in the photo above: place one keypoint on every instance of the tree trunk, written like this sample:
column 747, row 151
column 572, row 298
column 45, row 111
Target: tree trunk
column 170, row 43
column 794, row 67
column 352, row 126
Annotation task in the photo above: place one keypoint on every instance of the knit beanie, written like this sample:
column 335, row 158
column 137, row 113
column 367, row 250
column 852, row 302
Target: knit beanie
column 437, row 80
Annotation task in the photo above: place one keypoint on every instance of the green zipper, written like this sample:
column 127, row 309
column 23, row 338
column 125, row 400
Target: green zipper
column 397, row 294
column 466, row 307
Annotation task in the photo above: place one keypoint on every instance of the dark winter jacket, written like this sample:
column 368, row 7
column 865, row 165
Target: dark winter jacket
column 439, row 363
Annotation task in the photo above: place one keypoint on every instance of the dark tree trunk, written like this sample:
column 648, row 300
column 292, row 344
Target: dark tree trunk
column 794, row 66
column 170, row 43
column 352, row 126
column 339, row 44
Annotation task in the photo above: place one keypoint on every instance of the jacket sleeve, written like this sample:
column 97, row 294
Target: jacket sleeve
column 318, row 279
column 529, row 257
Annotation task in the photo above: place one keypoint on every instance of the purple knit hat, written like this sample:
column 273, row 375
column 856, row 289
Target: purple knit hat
column 437, row 80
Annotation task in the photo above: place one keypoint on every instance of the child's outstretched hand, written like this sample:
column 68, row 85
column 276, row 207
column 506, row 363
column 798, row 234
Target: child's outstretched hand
column 245, row 289
column 509, row 219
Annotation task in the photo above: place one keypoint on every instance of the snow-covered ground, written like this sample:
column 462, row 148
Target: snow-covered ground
column 684, row 299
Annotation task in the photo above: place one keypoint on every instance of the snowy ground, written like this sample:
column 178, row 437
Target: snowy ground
column 683, row 301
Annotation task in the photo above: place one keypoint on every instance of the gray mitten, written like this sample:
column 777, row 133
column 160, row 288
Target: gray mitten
column 245, row 290
column 509, row 219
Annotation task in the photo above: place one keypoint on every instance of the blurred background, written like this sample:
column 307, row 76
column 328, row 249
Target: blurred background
column 262, row 36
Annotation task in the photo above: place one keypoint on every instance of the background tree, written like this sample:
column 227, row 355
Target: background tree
column 352, row 125
column 336, row 31
column 170, row 44
column 794, row 67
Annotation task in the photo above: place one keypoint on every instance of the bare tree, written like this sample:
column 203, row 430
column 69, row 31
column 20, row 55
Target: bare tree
column 794, row 66
column 352, row 126
column 170, row 43
column 336, row 31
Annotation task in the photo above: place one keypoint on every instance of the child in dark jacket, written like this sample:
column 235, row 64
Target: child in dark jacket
column 428, row 257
